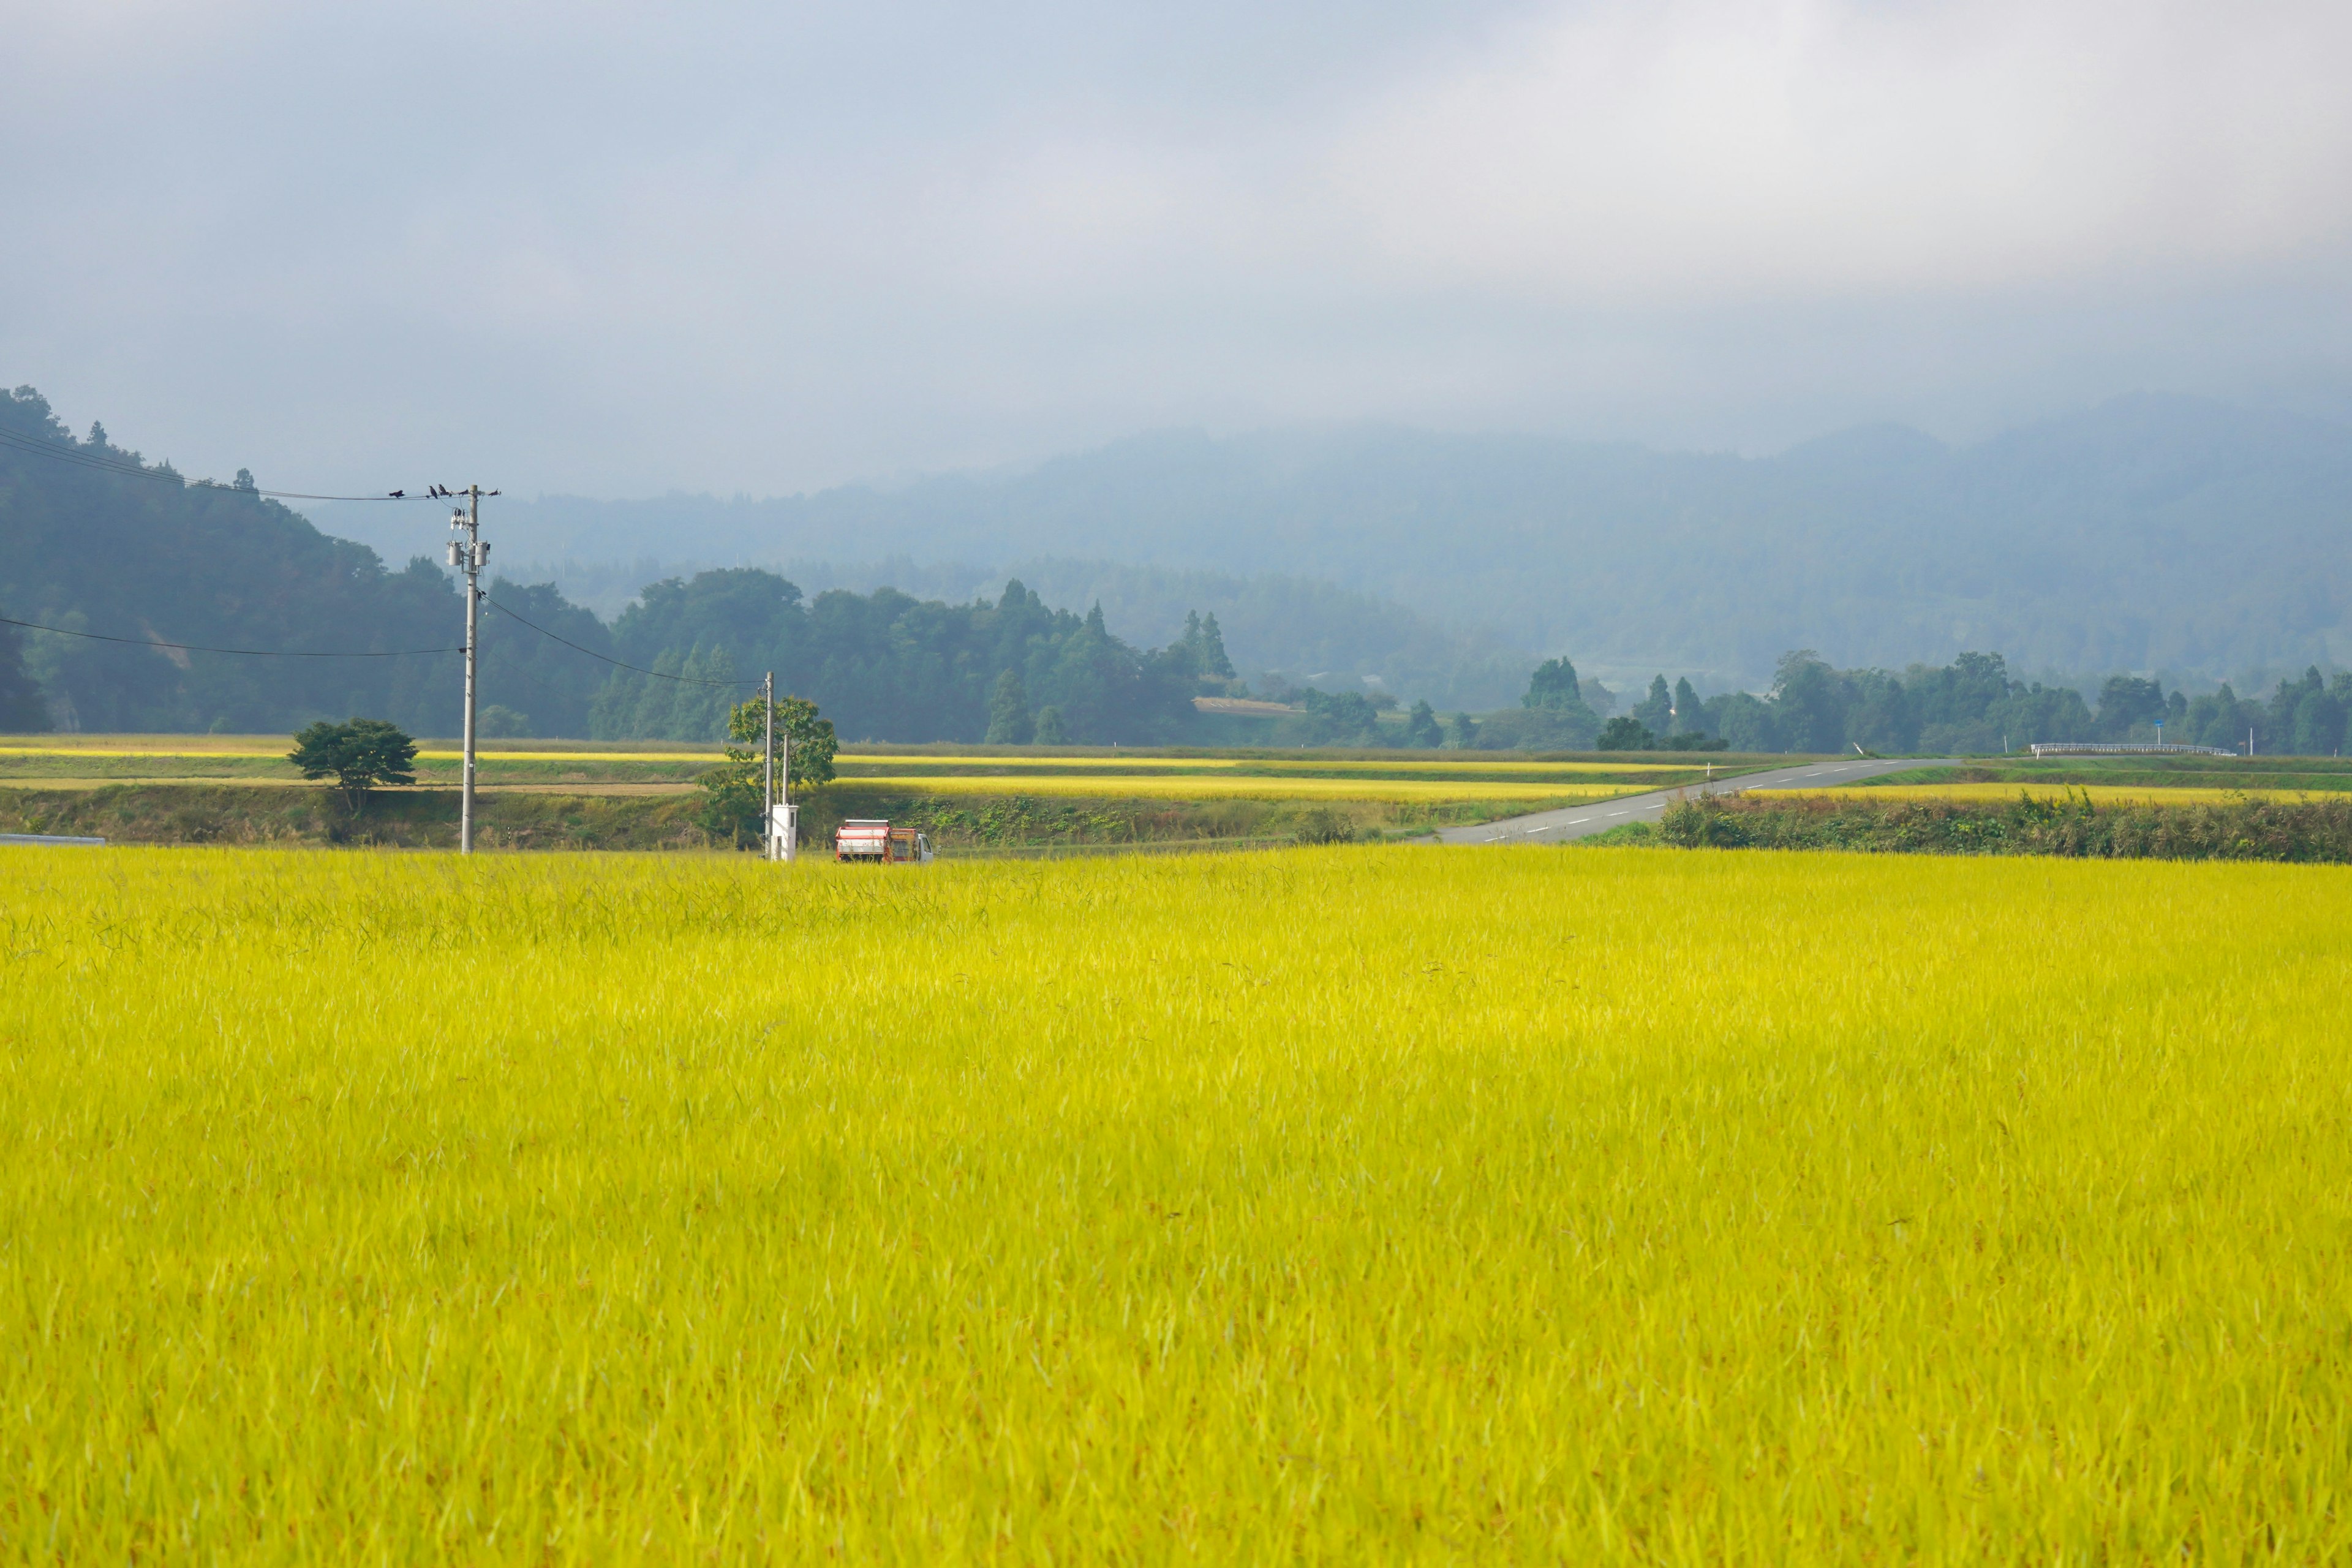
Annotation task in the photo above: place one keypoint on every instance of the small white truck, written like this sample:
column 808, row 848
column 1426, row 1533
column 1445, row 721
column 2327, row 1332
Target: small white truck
column 874, row 840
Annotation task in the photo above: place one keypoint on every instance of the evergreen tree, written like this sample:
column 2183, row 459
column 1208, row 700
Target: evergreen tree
column 2318, row 728
column 22, row 712
column 1421, row 727
column 1462, row 732
column 702, row 709
column 1811, row 701
column 2128, row 703
column 1206, row 643
column 1655, row 711
column 1689, row 715
column 1009, row 723
column 1553, row 685
column 692, row 704
column 657, row 696
column 1050, row 730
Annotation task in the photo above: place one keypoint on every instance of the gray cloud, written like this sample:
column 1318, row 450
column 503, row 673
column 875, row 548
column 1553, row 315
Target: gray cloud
column 610, row 250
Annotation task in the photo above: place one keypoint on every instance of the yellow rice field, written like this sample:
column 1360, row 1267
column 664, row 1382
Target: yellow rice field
column 2102, row 794
column 1331, row 1205
column 1453, row 764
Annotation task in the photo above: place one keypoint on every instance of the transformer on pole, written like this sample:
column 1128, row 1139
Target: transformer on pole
column 779, row 830
column 467, row 554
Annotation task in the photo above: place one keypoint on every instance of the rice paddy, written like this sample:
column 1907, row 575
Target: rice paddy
column 1320, row 1206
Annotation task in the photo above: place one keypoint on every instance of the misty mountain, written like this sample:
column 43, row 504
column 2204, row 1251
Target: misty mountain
column 2152, row 533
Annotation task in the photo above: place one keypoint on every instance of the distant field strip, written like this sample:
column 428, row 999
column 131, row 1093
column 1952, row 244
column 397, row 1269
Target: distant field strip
column 2103, row 794
column 146, row 748
column 1162, row 786
column 1368, row 767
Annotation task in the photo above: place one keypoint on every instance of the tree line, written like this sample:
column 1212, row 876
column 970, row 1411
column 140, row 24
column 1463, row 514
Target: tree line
column 1971, row 706
column 886, row 665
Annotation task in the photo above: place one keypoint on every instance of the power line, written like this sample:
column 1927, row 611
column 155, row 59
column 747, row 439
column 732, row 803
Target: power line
column 244, row 652
column 592, row 653
column 40, row 448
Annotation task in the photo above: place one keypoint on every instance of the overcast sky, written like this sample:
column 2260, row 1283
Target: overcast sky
column 613, row 249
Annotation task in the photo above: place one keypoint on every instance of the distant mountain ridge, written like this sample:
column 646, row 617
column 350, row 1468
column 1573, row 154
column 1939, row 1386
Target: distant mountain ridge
column 2154, row 533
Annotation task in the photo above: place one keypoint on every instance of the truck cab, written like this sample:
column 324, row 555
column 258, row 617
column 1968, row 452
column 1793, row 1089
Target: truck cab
column 873, row 840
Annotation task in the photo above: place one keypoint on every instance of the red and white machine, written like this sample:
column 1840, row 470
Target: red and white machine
column 875, row 840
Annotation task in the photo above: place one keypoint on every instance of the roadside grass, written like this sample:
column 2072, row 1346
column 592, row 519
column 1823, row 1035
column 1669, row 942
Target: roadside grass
column 2169, row 824
column 2282, row 773
column 2103, row 794
column 1625, row 836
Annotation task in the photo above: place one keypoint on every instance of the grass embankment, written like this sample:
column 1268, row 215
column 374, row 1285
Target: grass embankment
column 219, row 814
column 2135, row 825
column 216, row 814
column 1316, row 1207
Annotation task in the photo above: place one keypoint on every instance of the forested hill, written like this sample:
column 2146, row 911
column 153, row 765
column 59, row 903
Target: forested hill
column 94, row 540
column 2153, row 533
column 88, row 547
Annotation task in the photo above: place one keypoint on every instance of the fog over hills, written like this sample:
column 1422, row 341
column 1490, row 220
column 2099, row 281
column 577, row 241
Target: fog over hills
column 2151, row 533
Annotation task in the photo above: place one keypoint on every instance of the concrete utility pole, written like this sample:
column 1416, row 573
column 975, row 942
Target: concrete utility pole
column 467, row 554
column 768, row 768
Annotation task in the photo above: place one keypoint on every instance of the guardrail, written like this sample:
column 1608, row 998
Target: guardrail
column 58, row 839
column 2118, row 748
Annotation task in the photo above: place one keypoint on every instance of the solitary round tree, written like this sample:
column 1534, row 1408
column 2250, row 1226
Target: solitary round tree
column 357, row 755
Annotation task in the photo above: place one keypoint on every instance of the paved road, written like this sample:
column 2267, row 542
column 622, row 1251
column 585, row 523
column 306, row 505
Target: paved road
column 1582, row 821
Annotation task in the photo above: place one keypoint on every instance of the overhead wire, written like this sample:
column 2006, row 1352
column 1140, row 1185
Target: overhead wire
column 592, row 653
column 132, row 470
column 20, row 442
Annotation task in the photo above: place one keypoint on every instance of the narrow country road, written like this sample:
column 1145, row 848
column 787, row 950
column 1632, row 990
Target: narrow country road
column 1582, row 821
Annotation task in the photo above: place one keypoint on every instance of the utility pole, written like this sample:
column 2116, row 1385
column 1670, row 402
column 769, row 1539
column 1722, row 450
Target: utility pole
column 768, row 774
column 467, row 554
